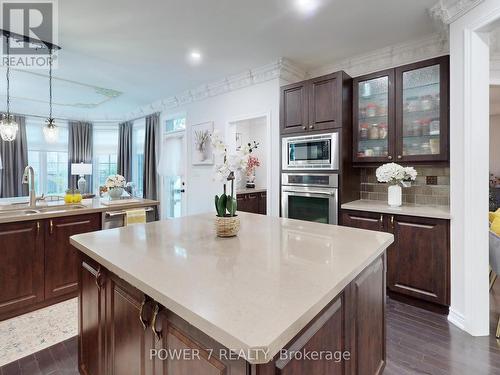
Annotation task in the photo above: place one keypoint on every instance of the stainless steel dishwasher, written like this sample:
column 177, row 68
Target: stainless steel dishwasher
column 116, row 219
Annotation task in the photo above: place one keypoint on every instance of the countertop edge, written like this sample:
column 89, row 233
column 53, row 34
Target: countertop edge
column 80, row 211
column 265, row 352
column 372, row 206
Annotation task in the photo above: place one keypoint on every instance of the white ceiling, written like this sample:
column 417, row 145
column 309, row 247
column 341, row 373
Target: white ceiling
column 139, row 48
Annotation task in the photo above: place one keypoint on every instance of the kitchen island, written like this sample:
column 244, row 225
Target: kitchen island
column 283, row 297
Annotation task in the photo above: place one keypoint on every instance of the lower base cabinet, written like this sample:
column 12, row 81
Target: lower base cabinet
column 255, row 203
column 418, row 262
column 122, row 331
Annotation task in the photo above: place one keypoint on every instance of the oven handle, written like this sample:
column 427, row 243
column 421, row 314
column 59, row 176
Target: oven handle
column 121, row 213
column 329, row 193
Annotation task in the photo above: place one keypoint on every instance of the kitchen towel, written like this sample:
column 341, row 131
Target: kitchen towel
column 137, row 216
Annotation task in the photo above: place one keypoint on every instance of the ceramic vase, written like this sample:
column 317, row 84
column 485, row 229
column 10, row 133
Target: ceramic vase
column 395, row 195
column 115, row 193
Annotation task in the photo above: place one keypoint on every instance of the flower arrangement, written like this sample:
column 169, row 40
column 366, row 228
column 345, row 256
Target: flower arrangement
column 252, row 164
column 227, row 167
column 115, row 181
column 395, row 174
column 202, row 137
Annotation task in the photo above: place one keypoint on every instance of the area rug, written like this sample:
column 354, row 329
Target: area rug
column 29, row 333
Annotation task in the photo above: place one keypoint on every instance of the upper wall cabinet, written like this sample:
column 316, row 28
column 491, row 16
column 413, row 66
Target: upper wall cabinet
column 402, row 114
column 313, row 105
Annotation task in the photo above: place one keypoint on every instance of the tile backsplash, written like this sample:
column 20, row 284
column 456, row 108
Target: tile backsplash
column 432, row 187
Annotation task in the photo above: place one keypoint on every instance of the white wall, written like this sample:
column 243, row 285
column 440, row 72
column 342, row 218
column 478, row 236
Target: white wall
column 495, row 145
column 254, row 101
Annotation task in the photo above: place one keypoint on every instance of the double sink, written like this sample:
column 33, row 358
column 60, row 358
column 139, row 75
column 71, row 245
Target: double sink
column 14, row 212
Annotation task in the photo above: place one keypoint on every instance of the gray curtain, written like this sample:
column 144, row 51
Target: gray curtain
column 124, row 165
column 80, row 146
column 14, row 156
column 150, row 179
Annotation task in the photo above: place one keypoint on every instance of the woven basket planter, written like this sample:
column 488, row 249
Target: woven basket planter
column 227, row 226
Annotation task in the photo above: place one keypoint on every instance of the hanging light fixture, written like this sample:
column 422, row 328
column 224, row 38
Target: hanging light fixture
column 8, row 127
column 50, row 130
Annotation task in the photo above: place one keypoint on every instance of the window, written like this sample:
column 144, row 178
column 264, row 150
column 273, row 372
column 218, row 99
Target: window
column 105, row 153
column 138, row 136
column 175, row 124
column 49, row 160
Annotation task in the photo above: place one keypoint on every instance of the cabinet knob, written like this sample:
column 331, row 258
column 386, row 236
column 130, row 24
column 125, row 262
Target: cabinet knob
column 311, row 126
column 389, row 157
column 400, row 157
column 304, row 128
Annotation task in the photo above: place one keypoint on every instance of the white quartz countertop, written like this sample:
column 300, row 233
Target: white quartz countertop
column 250, row 191
column 253, row 291
column 437, row 212
column 12, row 210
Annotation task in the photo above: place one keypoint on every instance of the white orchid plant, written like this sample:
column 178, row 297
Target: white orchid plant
column 227, row 167
column 115, row 181
column 395, row 174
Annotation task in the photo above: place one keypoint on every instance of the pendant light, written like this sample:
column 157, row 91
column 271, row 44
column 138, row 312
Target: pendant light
column 50, row 130
column 8, row 127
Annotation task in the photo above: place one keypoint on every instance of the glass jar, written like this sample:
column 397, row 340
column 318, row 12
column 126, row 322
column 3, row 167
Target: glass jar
column 371, row 110
column 373, row 133
column 77, row 196
column 382, row 131
column 363, row 131
column 68, row 197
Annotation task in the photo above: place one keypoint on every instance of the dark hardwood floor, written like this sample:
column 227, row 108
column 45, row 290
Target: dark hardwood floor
column 418, row 342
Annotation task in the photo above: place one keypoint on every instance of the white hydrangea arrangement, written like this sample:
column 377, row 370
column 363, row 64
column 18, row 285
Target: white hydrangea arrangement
column 395, row 174
column 115, row 181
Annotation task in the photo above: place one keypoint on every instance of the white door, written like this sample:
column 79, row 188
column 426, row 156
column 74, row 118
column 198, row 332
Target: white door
column 172, row 168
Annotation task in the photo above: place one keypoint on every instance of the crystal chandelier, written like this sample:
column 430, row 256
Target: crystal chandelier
column 8, row 127
column 50, row 130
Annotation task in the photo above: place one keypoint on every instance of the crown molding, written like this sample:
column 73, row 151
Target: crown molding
column 448, row 11
column 399, row 54
column 281, row 68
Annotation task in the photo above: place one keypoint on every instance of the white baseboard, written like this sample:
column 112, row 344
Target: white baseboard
column 456, row 319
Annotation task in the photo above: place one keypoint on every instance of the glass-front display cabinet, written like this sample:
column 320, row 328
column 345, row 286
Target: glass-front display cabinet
column 374, row 117
column 402, row 114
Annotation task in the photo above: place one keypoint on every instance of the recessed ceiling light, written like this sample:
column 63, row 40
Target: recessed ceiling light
column 194, row 57
column 307, row 7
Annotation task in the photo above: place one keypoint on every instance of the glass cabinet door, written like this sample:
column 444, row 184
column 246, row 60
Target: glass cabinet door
column 372, row 119
column 422, row 121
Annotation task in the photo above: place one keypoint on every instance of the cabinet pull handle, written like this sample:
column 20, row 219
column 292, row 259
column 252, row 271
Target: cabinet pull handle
column 381, row 218
column 98, row 279
column 144, row 322
column 51, row 227
column 37, row 228
column 303, row 128
column 392, row 221
column 400, row 157
column 311, row 126
column 153, row 323
column 389, row 157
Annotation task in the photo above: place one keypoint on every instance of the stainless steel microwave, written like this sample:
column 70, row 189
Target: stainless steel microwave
column 317, row 151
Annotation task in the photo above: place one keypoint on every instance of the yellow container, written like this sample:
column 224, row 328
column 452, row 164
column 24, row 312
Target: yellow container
column 77, row 197
column 68, row 198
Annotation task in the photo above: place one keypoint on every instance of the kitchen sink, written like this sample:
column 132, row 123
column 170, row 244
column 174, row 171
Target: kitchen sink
column 18, row 212
column 63, row 208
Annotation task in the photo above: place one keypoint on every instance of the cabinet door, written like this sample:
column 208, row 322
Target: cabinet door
column 253, row 203
column 373, row 117
column 21, row 265
column 263, row 203
column 129, row 337
column 242, row 202
column 91, row 355
column 324, row 103
column 418, row 261
column 293, row 108
column 61, row 259
column 363, row 220
column 422, row 111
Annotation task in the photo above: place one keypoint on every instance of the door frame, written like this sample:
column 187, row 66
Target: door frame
column 269, row 154
column 469, row 166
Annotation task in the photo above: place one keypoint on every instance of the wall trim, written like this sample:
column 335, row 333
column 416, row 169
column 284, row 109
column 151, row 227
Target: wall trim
column 448, row 11
column 281, row 68
column 456, row 319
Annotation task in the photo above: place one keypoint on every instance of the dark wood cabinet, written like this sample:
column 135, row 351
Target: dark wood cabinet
column 418, row 262
column 21, row 266
column 294, row 108
column 91, row 304
column 61, row 259
column 402, row 114
column 314, row 105
column 255, row 203
column 38, row 266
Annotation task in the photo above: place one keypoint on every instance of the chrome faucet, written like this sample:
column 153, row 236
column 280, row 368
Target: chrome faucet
column 28, row 171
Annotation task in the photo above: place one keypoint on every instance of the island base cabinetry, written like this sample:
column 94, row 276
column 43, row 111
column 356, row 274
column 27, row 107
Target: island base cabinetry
column 123, row 331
